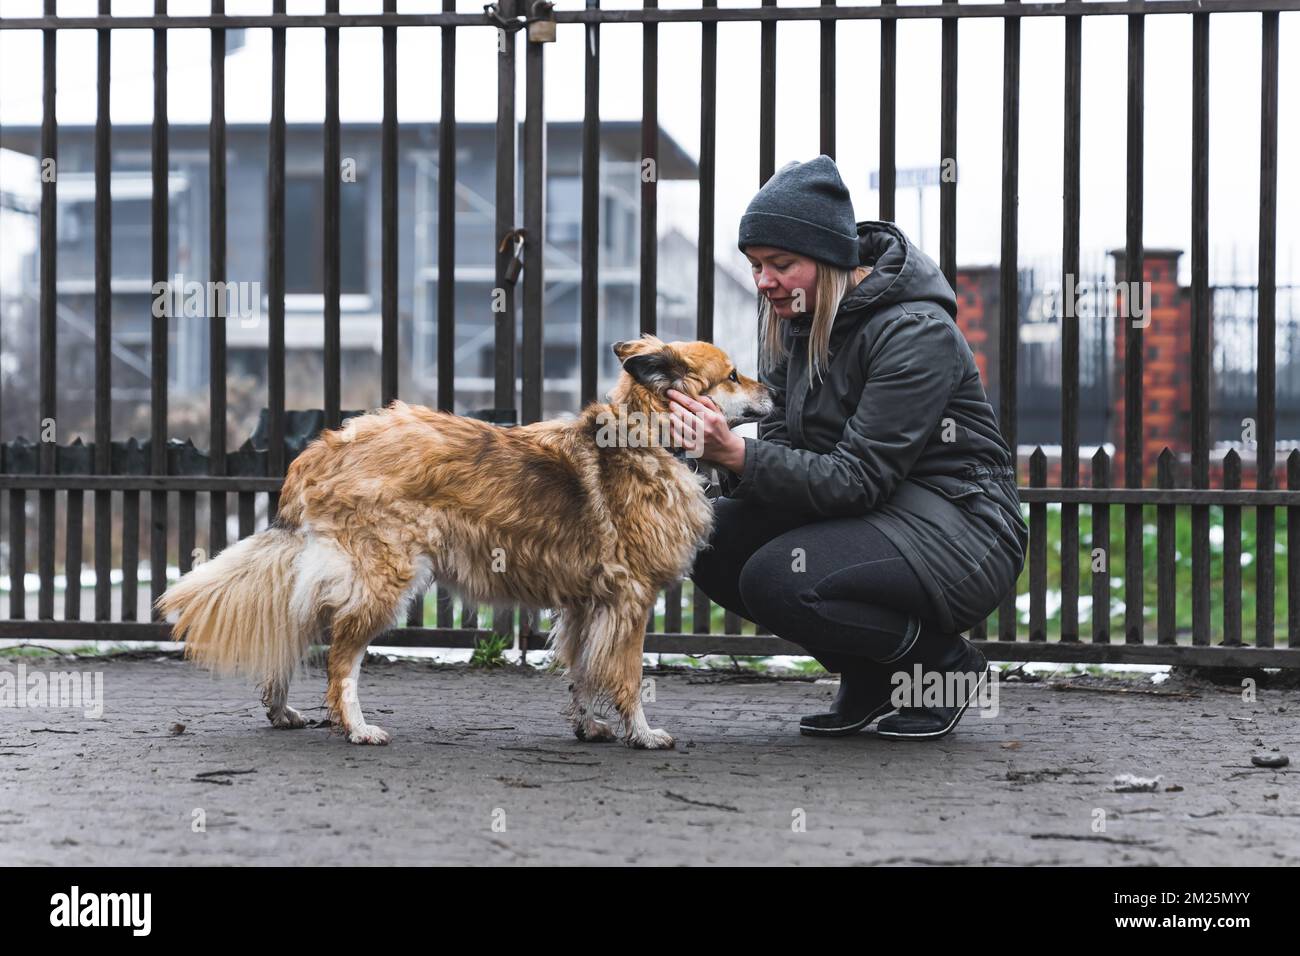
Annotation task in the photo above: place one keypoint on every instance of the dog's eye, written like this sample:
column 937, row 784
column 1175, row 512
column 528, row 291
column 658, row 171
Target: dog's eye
column 734, row 377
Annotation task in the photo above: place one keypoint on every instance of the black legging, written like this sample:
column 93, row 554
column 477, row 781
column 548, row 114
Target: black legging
column 835, row 586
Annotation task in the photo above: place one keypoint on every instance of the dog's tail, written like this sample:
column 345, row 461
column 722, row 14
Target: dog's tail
column 237, row 613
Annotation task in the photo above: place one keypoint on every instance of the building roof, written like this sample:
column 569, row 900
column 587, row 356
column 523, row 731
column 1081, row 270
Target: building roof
column 621, row 138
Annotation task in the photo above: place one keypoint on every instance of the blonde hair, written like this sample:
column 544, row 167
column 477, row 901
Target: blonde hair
column 831, row 285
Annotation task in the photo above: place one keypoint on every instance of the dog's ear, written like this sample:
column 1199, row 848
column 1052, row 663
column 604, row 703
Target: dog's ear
column 658, row 370
column 646, row 343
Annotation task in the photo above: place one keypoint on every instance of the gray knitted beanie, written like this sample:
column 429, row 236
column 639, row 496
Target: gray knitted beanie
column 804, row 208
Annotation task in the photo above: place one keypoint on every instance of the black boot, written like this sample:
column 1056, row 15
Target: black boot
column 865, row 690
column 929, row 723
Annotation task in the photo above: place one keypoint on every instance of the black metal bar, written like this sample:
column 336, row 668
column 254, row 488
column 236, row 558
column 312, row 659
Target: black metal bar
column 1266, row 320
column 1100, row 551
column 589, row 319
column 247, row 514
column 1009, row 271
column 507, row 139
column 534, row 234
column 966, row 11
column 74, row 504
column 1200, row 317
column 827, row 93
column 162, row 483
column 277, row 455
column 17, row 554
column 103, row 460
column 701, row 606
column 130, row 555
column 767, row 98
column 948, row 152
column 1070, row 330
column 886, row 13
column 161, row 247
column 1166, row 563
column 649, row 283
column 1133, row 596
column 447, row 221
column 332, row 239
column 217, row 275
column 185, row 530
column 1232, row 554
column 1037, row 550
column 443, row 610
column 389, row 343
column 1292, row 548
column 888, row 105
column 673, row 608
column 446, row 278
column 48, row 426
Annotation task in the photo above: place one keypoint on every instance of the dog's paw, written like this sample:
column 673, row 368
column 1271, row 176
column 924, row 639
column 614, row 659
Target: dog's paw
column 652, row 740
column 368, row 734
column 594, row 730
column 287, row 719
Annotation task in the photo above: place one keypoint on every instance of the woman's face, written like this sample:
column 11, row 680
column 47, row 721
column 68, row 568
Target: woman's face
column 787, row 279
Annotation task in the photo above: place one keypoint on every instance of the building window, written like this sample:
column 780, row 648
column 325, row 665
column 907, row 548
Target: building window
column 564, row 208
column 304, row 226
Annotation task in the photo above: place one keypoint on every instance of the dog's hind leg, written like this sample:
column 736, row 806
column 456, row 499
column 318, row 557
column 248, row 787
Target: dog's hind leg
column 351, row 631
column 275, row 695
column 567, row 636
column 612, row 660
column 348, row 640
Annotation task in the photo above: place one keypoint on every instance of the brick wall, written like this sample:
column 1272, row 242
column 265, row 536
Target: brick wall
column 1166, row 374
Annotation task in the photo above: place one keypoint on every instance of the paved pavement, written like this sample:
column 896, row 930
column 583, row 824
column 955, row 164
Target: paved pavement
column 483, row 770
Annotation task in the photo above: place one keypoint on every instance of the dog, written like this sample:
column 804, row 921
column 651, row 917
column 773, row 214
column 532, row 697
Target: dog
column 590, row 517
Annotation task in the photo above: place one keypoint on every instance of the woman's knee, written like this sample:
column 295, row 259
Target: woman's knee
column 740, row 528
column 771, row 585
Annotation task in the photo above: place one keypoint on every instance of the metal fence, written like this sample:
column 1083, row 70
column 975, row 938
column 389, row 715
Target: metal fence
column 172, row 475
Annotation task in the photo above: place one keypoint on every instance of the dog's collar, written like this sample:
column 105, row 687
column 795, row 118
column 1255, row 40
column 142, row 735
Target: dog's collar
column 693, row 463
column 680, row 455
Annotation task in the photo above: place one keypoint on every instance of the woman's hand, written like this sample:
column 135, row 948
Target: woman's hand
column 703, row 429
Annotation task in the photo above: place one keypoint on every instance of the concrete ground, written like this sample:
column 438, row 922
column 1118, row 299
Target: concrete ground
column 483, row 770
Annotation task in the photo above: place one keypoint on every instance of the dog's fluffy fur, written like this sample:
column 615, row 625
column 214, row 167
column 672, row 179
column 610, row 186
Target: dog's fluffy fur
column 549, row 515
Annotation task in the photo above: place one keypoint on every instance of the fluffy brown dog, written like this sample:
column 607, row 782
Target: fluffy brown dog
column 591, row 517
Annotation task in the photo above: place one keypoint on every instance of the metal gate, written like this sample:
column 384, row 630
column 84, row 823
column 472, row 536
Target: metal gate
column 172, row 475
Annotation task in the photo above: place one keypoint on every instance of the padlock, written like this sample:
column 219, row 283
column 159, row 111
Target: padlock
column 517, row 261
column 541, row 28
column 514, row 265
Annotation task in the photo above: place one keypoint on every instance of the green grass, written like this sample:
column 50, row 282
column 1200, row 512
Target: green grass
column 489, row 652
column 1182, row 570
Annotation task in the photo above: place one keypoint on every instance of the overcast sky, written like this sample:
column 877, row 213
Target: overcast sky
column 1234, row 110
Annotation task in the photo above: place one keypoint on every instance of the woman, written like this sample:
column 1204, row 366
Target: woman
column 876, row 514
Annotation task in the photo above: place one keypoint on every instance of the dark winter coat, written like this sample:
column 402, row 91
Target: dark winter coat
column 898, row 431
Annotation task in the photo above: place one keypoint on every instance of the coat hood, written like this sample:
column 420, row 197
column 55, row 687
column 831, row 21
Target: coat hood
column 900, row 272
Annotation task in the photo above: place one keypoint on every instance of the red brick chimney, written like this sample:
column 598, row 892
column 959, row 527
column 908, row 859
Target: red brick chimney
column 978, row 309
